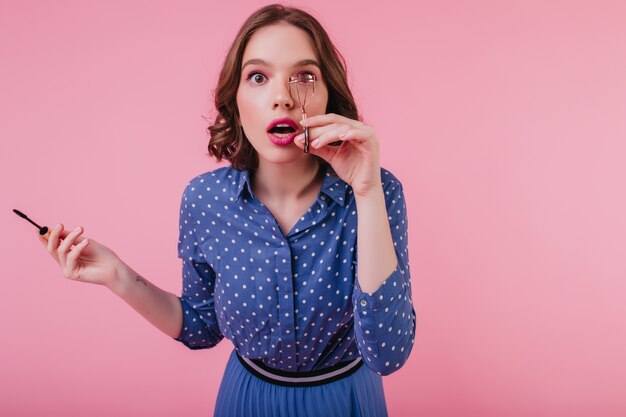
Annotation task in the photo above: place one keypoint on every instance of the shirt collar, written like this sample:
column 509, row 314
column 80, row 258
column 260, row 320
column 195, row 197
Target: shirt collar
column 333, row 186
column 244, row 184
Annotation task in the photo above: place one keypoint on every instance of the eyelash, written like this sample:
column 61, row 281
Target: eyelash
column 259, row 72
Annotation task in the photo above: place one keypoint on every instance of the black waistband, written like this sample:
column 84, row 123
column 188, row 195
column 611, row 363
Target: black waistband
column 300, row 379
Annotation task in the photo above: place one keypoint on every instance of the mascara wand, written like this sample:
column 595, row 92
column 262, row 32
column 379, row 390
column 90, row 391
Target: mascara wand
column 43, row 231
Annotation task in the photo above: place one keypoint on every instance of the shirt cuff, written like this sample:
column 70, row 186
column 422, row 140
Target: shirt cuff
column 388, row 292
column 195, row 334
column 372, row 312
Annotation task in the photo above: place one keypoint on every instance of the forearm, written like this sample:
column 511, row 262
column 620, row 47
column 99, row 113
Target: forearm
column 159, row 307
column 384, row 316
column 376, row 255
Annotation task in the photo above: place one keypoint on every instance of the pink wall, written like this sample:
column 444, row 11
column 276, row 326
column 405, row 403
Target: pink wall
column 504, row 120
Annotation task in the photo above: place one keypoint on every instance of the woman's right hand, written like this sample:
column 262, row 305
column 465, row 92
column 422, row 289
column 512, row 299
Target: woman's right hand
column 80, row 258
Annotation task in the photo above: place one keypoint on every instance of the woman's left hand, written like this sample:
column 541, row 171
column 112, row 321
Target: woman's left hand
column 357, row 160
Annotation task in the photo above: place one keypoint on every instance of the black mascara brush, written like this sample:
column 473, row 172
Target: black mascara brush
column 43, row 231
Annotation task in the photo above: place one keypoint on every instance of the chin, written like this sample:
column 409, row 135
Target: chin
column 282, row 155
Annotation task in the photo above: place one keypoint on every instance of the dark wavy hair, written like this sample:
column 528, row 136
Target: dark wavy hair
column 228, row 140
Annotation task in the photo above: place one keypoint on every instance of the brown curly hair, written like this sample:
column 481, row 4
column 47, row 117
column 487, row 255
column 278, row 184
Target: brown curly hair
column 228, row 140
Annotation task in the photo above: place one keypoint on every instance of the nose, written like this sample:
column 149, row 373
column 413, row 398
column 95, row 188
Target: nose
column 282, row 98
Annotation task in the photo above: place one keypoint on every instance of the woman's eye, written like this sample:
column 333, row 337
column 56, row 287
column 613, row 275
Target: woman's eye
column 306, row 73
column 256, row 77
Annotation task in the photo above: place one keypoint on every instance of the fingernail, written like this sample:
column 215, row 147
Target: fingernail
column 58, row 226
column 77, row 229
column 315, row 143
column 304, row 122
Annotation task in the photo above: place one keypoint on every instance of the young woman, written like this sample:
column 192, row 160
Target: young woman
column 269, row 244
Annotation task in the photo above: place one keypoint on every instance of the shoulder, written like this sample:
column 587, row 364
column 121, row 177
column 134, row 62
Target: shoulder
column 213, row 187
column 222, row 175
column 394, row 197
column 389, row 180
column 394, row 192
column 202, row 184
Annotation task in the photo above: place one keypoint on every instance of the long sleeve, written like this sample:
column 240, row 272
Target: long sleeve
column 200, row 329
column 385, row 321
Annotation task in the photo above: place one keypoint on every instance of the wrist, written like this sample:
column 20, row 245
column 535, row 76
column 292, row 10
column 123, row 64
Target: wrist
column 371, row 187
column 373, row 193
column 120, row 277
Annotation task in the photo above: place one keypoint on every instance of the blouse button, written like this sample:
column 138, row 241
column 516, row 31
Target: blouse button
column 363, row 303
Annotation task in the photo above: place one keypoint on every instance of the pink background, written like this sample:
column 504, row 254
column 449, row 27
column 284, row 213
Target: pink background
column 504, row 120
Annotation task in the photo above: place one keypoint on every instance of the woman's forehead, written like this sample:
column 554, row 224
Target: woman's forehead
column 280, row 45
column 298, row 63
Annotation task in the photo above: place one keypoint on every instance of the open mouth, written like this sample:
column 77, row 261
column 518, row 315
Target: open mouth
column 282, row 131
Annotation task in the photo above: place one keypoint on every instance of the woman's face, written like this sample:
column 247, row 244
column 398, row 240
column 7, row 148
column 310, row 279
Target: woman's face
column 263, row 93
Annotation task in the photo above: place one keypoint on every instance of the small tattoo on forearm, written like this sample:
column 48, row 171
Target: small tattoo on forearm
column 141, row 280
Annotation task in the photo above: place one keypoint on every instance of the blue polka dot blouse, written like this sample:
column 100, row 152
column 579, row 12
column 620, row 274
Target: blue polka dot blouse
column 293, row 301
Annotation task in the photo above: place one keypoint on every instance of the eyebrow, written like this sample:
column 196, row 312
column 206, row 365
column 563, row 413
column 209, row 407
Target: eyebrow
column 302, row 63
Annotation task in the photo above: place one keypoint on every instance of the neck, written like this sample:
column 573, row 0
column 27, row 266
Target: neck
column 286, row 181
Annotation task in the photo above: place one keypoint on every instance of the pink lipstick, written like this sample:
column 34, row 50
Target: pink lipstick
column 282, row 131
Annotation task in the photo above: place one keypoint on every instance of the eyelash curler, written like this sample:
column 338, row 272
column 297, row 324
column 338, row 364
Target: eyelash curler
column 303, row 84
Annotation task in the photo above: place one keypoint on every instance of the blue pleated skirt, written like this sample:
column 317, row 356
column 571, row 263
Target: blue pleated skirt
column 242, row 394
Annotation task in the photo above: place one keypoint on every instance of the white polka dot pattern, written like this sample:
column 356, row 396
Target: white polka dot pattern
column 291, row 301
